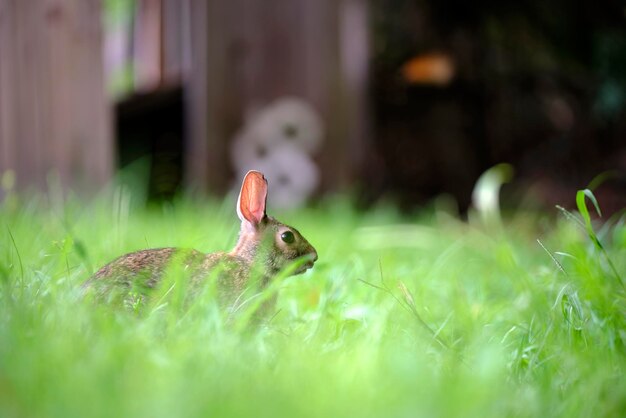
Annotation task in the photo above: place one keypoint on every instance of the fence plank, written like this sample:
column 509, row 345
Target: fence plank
column 54, row 115
column 8, row 152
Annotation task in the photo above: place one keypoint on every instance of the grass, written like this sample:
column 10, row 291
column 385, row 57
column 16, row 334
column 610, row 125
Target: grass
column 403, row 316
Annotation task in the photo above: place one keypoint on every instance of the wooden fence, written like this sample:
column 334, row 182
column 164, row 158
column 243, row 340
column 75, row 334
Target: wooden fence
column 54, row 115
column 256, row 51
column 242, row 54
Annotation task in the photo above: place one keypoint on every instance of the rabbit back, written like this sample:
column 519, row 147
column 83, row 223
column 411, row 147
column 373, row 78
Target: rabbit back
column 139, row 272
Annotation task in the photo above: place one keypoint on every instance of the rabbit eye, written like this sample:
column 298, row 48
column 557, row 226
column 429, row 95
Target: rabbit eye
column 288, row 237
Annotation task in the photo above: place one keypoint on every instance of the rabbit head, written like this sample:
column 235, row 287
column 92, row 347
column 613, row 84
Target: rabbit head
column 263, row 239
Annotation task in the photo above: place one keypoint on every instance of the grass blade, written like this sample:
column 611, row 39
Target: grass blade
column 581, row 202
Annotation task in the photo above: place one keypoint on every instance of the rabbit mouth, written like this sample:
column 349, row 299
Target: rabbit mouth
column 309, row 260
column 304, row 267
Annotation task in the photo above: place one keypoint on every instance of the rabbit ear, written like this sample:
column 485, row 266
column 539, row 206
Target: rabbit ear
column 252, row 198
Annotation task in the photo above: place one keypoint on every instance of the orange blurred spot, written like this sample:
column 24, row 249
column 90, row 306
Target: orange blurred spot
column 433, row 68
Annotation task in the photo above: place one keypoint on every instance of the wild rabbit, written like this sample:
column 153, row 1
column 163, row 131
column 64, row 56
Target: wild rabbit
column 265, row 246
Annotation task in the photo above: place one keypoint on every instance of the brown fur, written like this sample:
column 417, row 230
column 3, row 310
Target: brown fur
column 260, row 249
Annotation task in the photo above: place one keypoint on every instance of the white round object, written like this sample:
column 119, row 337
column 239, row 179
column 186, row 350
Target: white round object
column 288, row 122
column 247, row 149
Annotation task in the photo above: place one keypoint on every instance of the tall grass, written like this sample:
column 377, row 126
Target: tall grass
column 403, row 316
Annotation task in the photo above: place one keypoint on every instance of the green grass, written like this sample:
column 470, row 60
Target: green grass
column 521, row 328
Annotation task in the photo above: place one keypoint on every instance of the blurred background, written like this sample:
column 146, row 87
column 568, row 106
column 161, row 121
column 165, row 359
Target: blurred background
column 389, row 99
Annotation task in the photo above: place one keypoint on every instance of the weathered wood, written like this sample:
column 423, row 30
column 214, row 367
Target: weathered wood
column 196, row 155
column 244, row 54
column 212, row 99
column 147, row 45
column 247, row 53
column 176, row 40
column 353, row 42
column 8, row 152
column 92, row 125
column 54, row 115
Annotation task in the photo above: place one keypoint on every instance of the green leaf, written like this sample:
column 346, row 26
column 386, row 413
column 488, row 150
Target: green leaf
column 582, row 208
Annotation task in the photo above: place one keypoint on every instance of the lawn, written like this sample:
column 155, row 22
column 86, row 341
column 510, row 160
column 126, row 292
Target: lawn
column 403, row 315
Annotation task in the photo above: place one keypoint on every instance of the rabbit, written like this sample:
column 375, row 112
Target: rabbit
column 264, row 247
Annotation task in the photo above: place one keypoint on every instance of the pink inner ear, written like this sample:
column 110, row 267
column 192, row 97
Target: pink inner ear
column 252, row 197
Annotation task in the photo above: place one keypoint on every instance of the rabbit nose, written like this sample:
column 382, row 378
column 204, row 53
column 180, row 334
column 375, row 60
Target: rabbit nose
column 314, row 256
